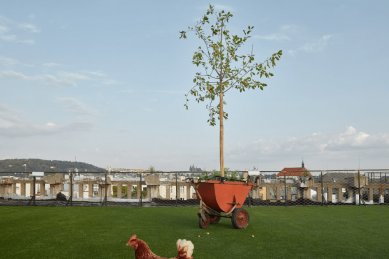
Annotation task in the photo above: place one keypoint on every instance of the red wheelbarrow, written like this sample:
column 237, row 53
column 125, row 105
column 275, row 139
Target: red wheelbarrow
column 219, row 199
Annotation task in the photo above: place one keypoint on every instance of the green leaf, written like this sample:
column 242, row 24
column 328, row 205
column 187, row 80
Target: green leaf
column 182, row 34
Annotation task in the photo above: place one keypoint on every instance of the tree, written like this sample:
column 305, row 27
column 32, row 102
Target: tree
column 222, row 67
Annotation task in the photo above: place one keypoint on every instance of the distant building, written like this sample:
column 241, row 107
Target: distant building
column 296, row 173
column 345, row 178
column 126, row 170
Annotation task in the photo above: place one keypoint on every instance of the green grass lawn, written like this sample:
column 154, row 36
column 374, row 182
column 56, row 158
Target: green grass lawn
column 274, row 232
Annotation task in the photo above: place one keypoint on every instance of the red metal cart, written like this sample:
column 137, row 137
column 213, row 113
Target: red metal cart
column 220, row 198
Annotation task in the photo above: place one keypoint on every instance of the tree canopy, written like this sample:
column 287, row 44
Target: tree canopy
column 222, row 66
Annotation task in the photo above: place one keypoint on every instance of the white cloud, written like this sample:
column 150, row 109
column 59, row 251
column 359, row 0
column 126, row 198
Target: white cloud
column 7, row 117
column 219, row 7
column 17, row 32
column 110, row 82
column 8, row 37
column 324, row 147
column 29, row 27
column 73, row 76
column 51, row 73
column 290, row 28
column 273, row 36
column 285, row 33
column 51, row 124
column 317, row 45
column 96, row 73
column 153, row 91
column 165, row 91
column 75, row 106
column 58, row 79
column 297, row 36
column 51, row 64
column 3, row 29
column 351, row 139
column 11, row 63
column 14, row 75
column 6, row 61
column 314, row 46
column 13, row 124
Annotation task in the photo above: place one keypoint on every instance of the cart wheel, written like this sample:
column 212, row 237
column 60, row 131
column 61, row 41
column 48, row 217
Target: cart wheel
column 204, row 224
column 240, row 218
column 214, row 219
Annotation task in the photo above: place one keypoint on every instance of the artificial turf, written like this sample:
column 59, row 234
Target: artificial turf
column 274, row 232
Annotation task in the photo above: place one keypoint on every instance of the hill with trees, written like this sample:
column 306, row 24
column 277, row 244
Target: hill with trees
column 40, row 165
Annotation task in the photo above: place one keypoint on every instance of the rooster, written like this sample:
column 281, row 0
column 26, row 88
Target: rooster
column 142, row 250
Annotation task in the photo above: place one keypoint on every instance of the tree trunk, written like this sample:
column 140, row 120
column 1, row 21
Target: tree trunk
column 221, row 120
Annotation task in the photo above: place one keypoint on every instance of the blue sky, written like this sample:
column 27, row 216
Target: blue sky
column 103, row 82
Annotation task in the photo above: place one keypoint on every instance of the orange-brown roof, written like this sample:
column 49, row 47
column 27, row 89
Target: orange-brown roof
column 294, row 171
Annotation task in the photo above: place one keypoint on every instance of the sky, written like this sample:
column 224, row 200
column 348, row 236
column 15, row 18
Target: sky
column 104, row 82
